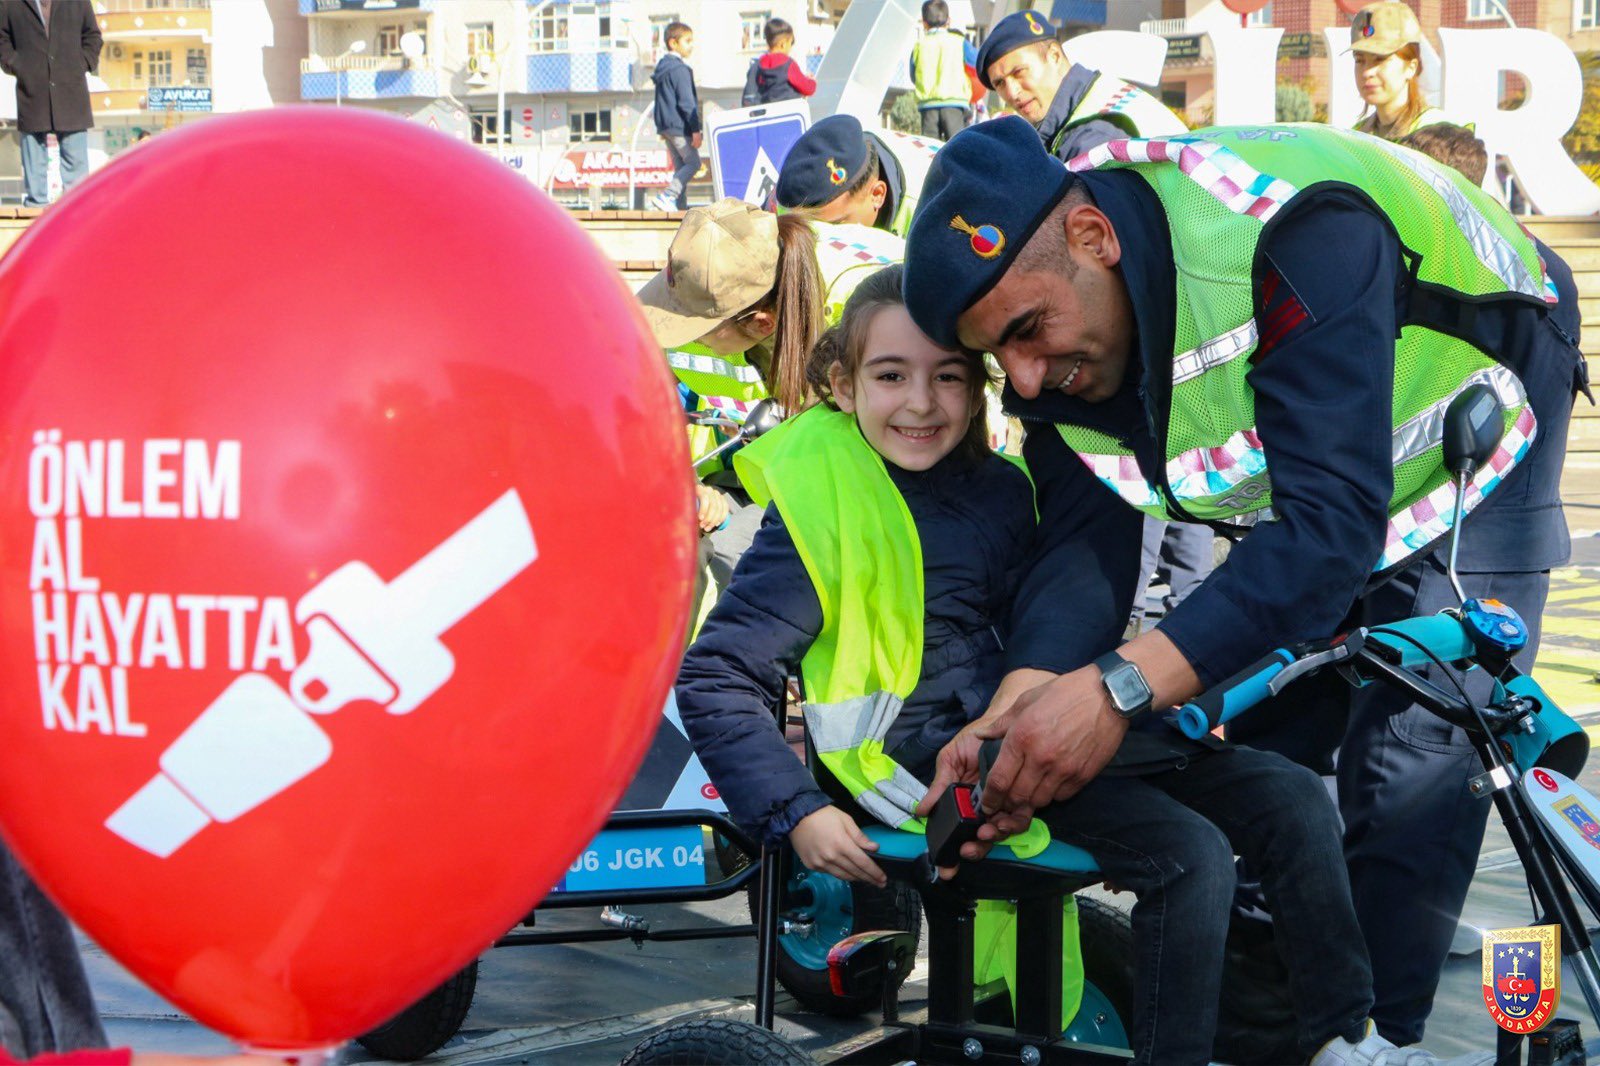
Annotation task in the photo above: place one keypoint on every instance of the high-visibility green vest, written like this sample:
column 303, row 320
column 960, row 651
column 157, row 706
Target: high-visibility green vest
column 1431, row 116
column 1124, row 105
column 860, row 548
column 847, row 254
column 939, row 63
column 1221, row 189
column 911, row 156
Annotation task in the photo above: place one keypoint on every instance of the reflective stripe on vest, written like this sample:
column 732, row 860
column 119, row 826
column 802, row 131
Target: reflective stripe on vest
column 1125, row 106
column 1220, row 190
column 847, row 254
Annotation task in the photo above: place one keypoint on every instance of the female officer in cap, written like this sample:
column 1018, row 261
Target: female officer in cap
column 1387, row 41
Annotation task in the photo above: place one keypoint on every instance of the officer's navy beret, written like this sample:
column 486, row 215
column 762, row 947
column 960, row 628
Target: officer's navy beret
column 824, row 162
column 1012, row 32
column 986, row 193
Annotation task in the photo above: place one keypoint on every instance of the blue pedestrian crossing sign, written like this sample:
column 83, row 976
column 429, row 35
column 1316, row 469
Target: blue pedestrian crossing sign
column 750, row 144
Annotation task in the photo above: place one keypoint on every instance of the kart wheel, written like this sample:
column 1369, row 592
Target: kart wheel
column 423, row 1027
column 731, row 858
column 1105, row 940
column 716, row 1043
column 833, row 909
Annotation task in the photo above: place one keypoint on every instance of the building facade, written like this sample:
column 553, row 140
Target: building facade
column 559, row 88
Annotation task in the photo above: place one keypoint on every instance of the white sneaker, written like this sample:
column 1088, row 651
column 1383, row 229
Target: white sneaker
column 662, row 202
column 1376, row 1051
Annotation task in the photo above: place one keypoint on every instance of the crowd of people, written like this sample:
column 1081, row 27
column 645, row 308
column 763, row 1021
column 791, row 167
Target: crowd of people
column 1198, row 331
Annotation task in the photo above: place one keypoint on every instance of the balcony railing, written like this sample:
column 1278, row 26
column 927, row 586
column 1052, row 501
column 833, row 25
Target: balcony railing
column 153, row 22
column 324, row 64
column 1166, row 27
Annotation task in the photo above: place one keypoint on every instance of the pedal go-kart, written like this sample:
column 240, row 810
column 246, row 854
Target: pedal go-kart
column 1529, row 749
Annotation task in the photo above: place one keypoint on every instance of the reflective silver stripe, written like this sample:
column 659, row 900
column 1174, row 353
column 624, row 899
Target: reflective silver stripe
column 710, row 364
column 1215, row 352
column 841, row 726
column 883, row 810
column 1492, row 249
column 1423, row 432
column 902, row 789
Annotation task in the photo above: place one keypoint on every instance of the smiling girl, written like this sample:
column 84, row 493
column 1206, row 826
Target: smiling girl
column 891, row 546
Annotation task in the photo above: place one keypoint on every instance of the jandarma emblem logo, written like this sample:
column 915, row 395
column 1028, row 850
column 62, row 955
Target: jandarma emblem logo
column 1034, row 25
column 836, row 173
column 1522, row 976
column 987, row 241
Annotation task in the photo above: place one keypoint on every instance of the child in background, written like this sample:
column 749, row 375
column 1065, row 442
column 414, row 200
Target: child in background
column 776, row 76
column 677, row 114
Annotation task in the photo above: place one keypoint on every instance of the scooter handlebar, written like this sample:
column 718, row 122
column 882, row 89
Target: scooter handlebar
column 1237, row 694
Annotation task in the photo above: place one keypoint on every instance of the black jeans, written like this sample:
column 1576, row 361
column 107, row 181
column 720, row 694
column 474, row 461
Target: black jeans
column 943, row 123
column 1170, row 837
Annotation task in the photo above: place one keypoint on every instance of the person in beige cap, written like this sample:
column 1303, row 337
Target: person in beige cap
column 741, row 281
column 1387, row 41
column 744, row 296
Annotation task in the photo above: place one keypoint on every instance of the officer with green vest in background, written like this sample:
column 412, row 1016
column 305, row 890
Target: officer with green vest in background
column 939, row 74
column 1073, row 108
column 839, row 172
column 1257, row 328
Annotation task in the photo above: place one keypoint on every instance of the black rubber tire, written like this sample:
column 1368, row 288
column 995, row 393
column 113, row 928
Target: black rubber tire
column 716, row 1043
column 422, row 1028
column 1256, row 1023
column 872, row 908
column 731, row 858
column 1105, row 940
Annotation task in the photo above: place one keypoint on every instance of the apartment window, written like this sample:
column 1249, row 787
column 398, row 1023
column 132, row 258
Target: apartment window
column 1480, row 10
column 1585, row 14
column 480, row 39
column 197, row 67
column 751, row 23
column 547, row 32
column 138, row 67
column 1260, row 17
column 389, row 39
column 160, row 64
column 489, row 128
column 590, row 124
column 658, row 33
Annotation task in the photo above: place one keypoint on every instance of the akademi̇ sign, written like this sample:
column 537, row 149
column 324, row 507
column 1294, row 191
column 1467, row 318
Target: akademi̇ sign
column 580, row 170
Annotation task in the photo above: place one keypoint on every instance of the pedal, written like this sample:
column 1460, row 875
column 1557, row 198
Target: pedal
column 1557, row 1044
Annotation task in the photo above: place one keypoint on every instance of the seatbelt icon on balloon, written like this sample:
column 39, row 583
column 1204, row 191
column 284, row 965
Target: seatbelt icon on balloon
column 370, row 640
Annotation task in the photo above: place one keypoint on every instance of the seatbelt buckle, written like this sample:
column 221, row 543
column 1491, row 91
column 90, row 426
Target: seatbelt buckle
column 954, row 822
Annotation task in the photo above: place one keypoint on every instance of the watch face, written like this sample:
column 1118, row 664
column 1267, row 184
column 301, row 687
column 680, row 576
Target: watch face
column 1128, row 689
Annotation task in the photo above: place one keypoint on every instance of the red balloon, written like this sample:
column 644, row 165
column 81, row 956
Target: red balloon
column 1245, row 7
column 346, row 548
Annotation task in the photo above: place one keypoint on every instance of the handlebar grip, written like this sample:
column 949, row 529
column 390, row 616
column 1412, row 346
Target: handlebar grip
column 1239, row 693
column 1441, row 634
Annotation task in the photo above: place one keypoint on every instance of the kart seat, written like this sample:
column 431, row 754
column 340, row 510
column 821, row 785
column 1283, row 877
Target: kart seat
column 1058, row 870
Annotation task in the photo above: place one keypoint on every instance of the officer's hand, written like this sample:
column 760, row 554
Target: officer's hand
column 830, row 841
column 711, row 507
column 1059, row 737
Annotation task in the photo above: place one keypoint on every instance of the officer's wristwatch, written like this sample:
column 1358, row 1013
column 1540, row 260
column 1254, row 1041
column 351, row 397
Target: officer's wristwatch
column 1130, row 692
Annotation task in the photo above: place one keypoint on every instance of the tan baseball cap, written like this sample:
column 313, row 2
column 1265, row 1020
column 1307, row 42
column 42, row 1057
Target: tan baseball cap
column 723, row 259
column 1384, row 28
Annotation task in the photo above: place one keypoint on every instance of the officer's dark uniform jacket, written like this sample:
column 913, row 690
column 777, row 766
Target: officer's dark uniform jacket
column 975, row 523
column 1335, row 287
column 1091, row 134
